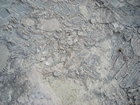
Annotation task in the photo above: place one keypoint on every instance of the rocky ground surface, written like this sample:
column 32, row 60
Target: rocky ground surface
column 67, row 52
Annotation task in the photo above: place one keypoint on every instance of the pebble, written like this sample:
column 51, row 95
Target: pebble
column 50, row 25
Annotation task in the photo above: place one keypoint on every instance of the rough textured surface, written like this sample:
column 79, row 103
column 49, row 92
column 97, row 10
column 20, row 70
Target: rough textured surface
column 69, row 52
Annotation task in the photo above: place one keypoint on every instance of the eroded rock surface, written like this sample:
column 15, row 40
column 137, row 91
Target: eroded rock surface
column 69, row 52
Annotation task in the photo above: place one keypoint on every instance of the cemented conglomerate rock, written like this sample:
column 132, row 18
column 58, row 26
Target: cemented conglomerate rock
column 66, row 52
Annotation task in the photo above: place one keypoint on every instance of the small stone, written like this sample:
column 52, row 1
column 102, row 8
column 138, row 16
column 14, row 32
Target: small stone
column 50, row 25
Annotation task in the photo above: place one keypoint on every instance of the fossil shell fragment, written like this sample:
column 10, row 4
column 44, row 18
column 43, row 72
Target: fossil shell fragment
column 136, row 45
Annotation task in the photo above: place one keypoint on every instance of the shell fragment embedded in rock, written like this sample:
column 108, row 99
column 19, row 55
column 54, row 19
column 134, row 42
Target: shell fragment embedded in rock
column 136, row 45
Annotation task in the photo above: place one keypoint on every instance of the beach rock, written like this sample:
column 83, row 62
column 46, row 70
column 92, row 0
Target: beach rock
column 66, row 52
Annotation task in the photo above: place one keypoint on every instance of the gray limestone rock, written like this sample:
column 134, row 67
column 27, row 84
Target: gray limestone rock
column 65, row 52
